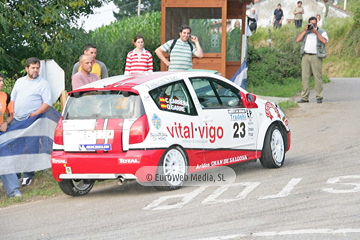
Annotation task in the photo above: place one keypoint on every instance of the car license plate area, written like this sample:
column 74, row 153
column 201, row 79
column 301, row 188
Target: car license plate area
column 78, row 140
column 96, row 134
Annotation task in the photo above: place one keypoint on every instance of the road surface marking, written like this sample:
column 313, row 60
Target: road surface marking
column 285, row 191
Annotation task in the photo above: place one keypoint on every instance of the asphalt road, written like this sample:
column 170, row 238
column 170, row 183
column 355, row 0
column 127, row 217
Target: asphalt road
column 315, row 195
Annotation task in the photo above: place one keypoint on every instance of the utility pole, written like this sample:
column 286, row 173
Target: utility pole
column 139, row 3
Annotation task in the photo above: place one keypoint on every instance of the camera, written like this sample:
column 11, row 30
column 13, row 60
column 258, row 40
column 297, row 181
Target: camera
column 310, row 26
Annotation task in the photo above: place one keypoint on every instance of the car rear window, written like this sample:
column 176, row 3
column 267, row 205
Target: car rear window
column 103, row 104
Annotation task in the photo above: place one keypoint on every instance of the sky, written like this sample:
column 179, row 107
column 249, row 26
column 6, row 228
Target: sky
column 101, row 16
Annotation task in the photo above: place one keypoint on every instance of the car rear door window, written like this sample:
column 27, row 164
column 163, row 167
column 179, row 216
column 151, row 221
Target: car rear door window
column 174, row 97
column 103, row 104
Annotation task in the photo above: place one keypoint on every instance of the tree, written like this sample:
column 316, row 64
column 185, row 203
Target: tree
column 41, row 28
column 129, row 8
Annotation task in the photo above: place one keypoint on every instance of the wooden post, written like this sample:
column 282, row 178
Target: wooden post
column 63, row 98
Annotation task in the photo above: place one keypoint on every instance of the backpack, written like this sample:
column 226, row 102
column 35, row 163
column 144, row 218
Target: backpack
column 174, row 42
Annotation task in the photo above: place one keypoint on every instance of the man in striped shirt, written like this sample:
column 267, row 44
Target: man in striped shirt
column 182, row 51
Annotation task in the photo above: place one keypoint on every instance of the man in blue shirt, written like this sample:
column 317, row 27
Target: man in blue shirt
column 278, row 17
column 31, row 96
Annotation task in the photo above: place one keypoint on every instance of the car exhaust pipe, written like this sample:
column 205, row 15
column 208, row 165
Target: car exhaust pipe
column 122, row 180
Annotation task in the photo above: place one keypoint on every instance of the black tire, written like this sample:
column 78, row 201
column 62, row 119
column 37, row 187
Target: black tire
column 273, row 153
column 172, row 166
column 74, row 187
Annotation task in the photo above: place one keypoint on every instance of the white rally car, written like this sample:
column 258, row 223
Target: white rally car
column 175, row 122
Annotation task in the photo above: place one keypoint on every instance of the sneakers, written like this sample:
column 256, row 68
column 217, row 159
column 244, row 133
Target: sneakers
column 18, row 195
column 26, row 181
column 319, row 100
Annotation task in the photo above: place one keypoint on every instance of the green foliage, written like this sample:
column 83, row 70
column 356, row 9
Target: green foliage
column 351, row 5
column 115, row 40
column 288, row 104
column 43, row 29
column 343, row 47
column 287, row 89
column 8, row 85
column 273, row 65
column 203, row 30
column 357, row 17
column 128, row 8
column 233, row 40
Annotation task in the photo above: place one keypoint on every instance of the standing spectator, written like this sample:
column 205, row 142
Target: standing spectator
column 31, row 96
column 313, row 51
column 319, row 22
column 10, row 181
column 298, row 15
column 84, row 76
column 98, row 67
column 180, row 50
column 278, row 17
column 237, row 25
column 252, row 20
column 139, row 60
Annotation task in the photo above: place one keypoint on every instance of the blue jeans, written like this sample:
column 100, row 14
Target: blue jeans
column 11, row 184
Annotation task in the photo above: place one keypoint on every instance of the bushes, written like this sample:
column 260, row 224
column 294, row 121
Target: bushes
column 115, row 40
column 277, row 64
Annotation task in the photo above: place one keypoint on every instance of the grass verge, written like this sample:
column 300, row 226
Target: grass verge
column 42, row 186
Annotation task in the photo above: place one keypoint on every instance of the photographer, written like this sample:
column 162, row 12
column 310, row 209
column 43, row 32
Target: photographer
column 312, row 51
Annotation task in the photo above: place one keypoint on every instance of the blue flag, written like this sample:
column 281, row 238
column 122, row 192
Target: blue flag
column 240, row 76
column 27, row 145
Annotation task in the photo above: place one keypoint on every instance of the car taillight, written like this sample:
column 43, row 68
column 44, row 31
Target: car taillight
column 139, row 130
column 58, row 136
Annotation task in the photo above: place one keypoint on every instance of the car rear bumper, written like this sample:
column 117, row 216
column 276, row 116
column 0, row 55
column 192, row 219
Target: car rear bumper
column 102, row 166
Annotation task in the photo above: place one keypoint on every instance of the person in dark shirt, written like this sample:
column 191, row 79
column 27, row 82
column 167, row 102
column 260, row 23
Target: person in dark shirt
column 278, row 17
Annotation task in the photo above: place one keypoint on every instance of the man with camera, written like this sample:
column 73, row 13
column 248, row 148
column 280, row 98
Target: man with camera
column 312, row 51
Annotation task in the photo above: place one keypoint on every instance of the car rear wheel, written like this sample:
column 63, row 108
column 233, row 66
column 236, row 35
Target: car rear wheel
column 75, row 187
column 273, row 154
column 172, row 170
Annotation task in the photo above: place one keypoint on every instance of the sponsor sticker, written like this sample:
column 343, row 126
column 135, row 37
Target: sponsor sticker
column 163, row 81
column 58, row 161
column 156, row 121
column 129, row 161
column 285, row 120
column 94, row 147
column 159, row 136
column 268, row 107
column 67, row 169
column 189, row 131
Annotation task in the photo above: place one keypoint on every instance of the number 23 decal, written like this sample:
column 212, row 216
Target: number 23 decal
column 239, row 130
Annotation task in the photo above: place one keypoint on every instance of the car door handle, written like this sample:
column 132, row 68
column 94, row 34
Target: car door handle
column 207, row 119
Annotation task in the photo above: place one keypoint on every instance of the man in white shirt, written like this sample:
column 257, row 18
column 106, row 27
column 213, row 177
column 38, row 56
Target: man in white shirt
column 30, row 96
column 313, row 51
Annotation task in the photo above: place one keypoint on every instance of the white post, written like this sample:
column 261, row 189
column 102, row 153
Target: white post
column 139, row 3
column 345, row 4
